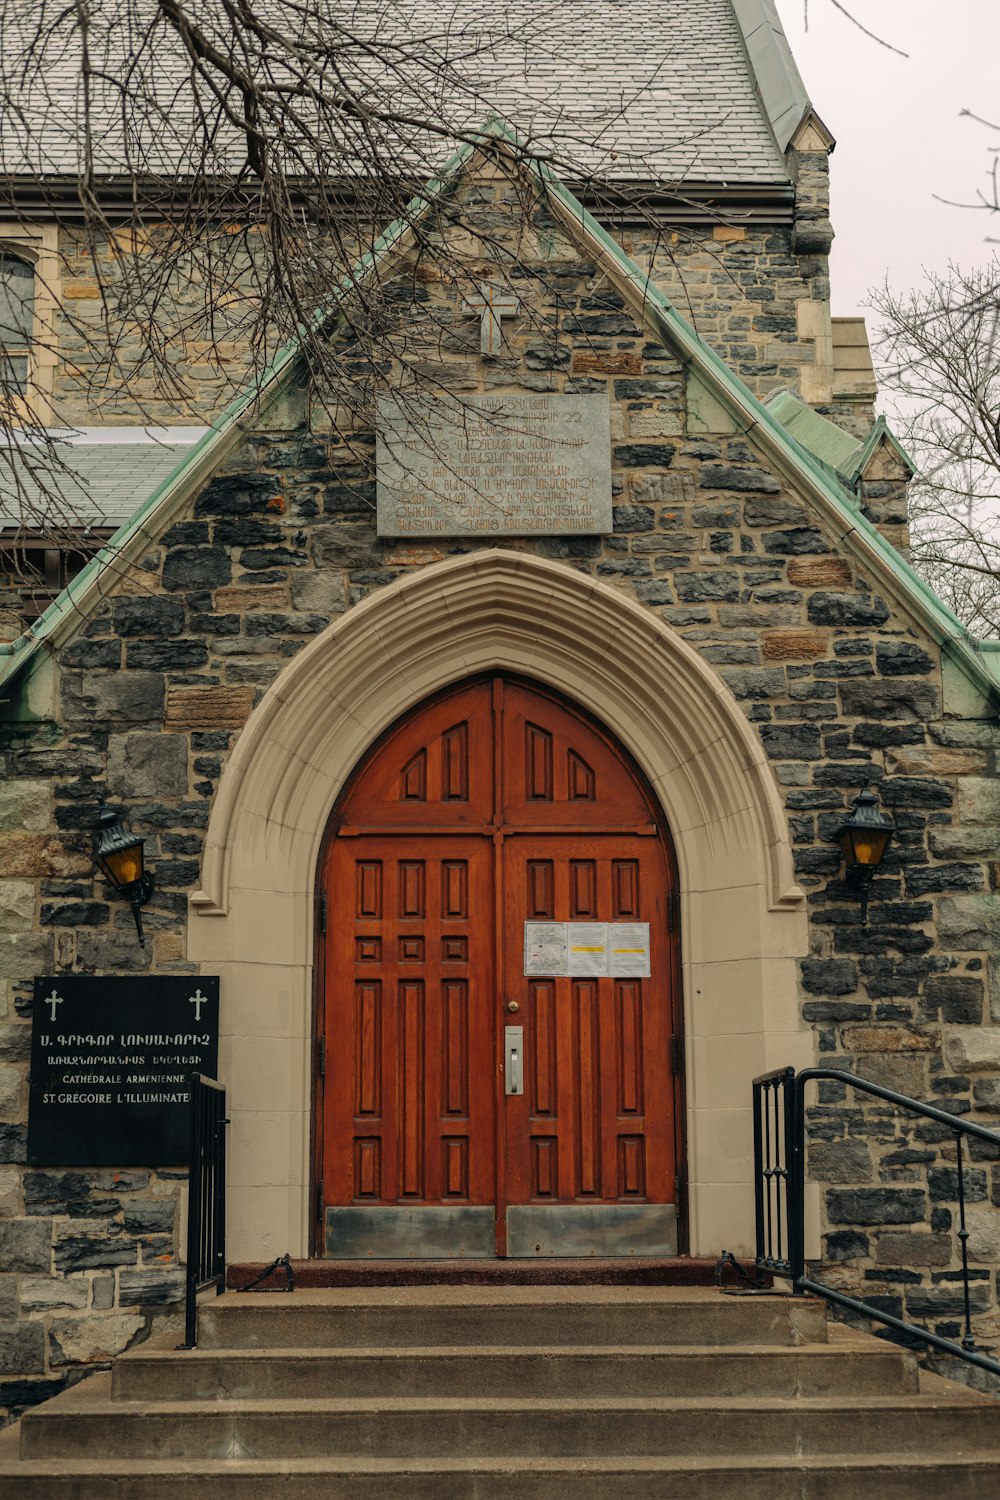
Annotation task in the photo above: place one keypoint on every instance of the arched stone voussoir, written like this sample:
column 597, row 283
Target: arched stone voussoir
column 485, row 610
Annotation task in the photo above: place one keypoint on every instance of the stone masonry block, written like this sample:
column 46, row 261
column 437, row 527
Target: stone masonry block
column 819, row 573
column 10, row 1193
column 17, row 905
column 150, row 1287
column 794, row 645
column 86, row 1340
column 41, row 856
column 134, row 697
column 979, row 801
column 876, row 1205
column 840, row 1161
column 983, row 1223
column 22, row 1348
column 973, row 1049
column 13, row 1087
column 42, row 1293
column 208, row 708
column 25, row 1244
column 911, row 1248
column 25, row 806
column 239, row 600
column 148, row 765
column 969, row 922
column 897, row 698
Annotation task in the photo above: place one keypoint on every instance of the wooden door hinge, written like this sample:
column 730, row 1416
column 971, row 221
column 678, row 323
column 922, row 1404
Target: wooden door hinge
column 672, row 905
column 322, row 914
column 321, row 1056
column 319, row 1201
column 676, row 1054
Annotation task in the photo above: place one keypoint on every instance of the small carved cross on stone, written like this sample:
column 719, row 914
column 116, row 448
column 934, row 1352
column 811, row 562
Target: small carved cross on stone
column 490, row 306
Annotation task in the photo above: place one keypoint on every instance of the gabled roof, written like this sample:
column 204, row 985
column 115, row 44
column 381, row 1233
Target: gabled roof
column 838, row 451
column 834, row 447
column 881, row 434
column 89, row 476
column 800, row 468
column 779, row 81
column 660, row 91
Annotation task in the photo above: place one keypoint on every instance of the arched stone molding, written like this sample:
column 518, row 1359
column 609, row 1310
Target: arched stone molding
column 743, row 918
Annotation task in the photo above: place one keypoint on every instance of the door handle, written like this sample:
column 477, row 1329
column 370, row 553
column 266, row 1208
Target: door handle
column 513, row 1059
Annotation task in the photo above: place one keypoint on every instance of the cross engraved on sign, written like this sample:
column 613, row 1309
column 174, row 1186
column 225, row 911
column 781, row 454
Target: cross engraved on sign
column 198, row 1000
column 52, row 1001
column 490, row 306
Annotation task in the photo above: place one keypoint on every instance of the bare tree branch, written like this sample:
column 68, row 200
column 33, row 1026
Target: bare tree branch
column 939, row 357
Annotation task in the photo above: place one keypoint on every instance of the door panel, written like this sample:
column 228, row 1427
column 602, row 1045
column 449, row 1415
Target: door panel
column 432, row 770
column 595, row 1122
column 557, row 770
column 490, row 807
column 409, row 1105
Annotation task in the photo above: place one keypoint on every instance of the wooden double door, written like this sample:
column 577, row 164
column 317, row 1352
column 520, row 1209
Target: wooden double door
column 499, row 992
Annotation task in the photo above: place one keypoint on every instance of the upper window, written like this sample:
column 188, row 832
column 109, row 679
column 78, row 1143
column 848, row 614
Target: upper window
column 17, row 313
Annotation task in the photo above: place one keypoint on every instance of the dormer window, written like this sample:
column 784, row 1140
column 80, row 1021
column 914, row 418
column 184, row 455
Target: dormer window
column 17, row 313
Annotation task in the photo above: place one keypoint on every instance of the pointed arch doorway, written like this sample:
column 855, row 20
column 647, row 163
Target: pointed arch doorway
column 498, row 999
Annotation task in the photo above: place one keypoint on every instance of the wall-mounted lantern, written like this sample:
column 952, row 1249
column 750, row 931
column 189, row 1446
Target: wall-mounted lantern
column 118, row 854
column 863, row 838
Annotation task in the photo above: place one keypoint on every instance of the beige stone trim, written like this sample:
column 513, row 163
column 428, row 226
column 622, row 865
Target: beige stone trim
column 40, row 245
column 743, row 918
column 814, row 323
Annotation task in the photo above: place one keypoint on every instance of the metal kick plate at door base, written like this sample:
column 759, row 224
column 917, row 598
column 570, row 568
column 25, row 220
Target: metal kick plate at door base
column 513, row 1054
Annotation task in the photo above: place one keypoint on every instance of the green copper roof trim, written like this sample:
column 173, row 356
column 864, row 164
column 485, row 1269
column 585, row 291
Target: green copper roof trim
column 749, row 411
column 778, row 81
column 839, row 452
column 834, row 447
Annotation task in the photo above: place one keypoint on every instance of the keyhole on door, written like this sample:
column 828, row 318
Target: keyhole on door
column 513, row 1006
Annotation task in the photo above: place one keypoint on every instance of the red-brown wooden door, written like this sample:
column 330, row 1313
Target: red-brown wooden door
column 489, row 808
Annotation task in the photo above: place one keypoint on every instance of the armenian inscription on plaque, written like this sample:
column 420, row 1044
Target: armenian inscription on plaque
column 494, row 466
column 111, row 1063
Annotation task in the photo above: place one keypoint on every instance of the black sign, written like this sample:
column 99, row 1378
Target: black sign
column 111, row 1062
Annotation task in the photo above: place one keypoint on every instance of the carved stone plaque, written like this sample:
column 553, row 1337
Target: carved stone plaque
column 494, row 466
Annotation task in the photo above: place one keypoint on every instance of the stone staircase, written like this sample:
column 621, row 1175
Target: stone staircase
column 538, row 1393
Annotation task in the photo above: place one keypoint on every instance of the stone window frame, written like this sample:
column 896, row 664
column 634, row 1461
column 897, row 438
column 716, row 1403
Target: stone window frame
column 39, row 246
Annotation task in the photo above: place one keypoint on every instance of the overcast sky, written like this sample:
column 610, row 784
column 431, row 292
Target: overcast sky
column 900, row 137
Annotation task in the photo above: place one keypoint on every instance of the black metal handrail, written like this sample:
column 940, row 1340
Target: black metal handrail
column 780, row 1174
column 206, row 1225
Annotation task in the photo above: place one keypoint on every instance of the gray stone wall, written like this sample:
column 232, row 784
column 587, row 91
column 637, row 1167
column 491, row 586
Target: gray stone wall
column 843, row 689
column 742, row 282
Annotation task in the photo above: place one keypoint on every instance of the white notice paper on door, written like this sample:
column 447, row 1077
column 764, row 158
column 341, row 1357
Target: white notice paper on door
column 588, row 948
column 628, row 949
column 545, row 948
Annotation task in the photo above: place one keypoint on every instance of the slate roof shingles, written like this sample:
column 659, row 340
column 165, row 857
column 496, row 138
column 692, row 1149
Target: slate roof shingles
column 665, row 85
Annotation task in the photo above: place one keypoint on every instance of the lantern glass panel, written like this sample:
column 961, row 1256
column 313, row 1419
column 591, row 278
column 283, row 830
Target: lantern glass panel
column 124, row 866
column 865, row 846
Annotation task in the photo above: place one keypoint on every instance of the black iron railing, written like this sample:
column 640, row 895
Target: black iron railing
column 206, row 1227
column 780, row 1175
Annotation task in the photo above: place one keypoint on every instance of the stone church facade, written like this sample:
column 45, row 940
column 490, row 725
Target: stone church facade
column 747, row 634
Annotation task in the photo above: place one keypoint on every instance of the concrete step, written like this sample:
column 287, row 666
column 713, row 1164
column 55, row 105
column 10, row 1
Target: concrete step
column 411, row 1317
column 84, row 1426
column 867, row 1367
column 890, row 1476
